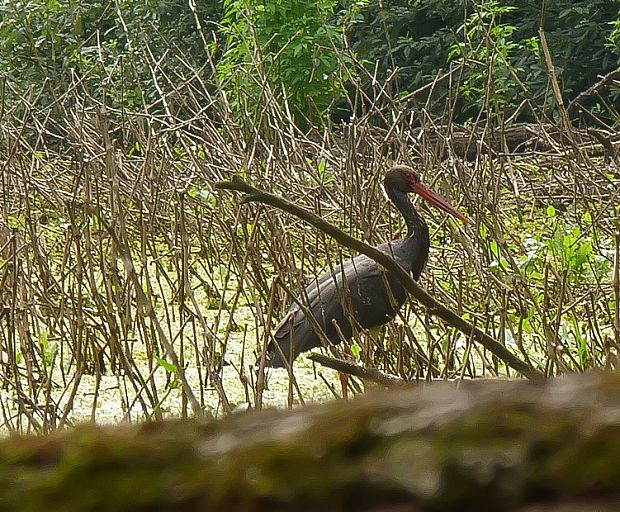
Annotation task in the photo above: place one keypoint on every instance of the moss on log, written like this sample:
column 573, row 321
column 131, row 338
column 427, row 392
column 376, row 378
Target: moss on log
column 487, row 445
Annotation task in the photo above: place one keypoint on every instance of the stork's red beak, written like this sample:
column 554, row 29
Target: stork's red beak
column 436, row 200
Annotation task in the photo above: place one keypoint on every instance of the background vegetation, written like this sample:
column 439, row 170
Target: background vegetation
column 121, row 268
column 308, row 53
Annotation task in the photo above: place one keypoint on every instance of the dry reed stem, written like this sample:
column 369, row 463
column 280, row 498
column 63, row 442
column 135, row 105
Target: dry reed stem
column 72, row 317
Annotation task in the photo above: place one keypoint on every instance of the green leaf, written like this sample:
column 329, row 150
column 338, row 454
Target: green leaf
column 17, row 221
column 582, row 254
column 44, row 340
column 169, row 367
column 356, row 350
column 483, row 230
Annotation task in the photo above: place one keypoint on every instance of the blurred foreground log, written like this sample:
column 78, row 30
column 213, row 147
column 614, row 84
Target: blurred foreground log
column 486, row 445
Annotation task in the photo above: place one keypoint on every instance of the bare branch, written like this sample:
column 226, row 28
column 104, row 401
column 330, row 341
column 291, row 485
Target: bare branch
column 256, row 195
column 371, row 374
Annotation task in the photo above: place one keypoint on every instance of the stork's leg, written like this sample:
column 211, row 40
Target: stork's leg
column 344, row 385
column 344, row 377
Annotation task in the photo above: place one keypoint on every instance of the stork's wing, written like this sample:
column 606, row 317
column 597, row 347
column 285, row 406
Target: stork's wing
column 358, row 288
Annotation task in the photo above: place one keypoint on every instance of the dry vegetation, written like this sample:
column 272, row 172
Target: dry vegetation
column 121, row 266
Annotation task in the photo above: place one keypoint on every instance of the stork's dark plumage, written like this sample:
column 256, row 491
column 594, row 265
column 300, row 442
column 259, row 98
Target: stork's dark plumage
column 359, row 285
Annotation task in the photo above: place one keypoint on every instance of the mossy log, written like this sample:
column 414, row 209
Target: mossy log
column 485, row 445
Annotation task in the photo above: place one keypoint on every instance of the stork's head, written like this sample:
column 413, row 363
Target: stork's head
column 401, row 178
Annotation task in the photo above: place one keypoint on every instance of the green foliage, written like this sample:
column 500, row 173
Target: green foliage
column 485, row 48
column 556, row 259
column 577, row 34
column 413, row 36
column 356, row 350
column 290, row 51
column 421, row 37
column 48, row 350
column 294, row 52
column 569, row 248
column 614, row 36
column 99, row 43
column 41, row 39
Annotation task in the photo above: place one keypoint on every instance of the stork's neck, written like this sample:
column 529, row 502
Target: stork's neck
column 416, row 227
column 418, row 240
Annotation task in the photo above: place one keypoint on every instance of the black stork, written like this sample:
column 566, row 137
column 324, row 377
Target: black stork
column 370, row 295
